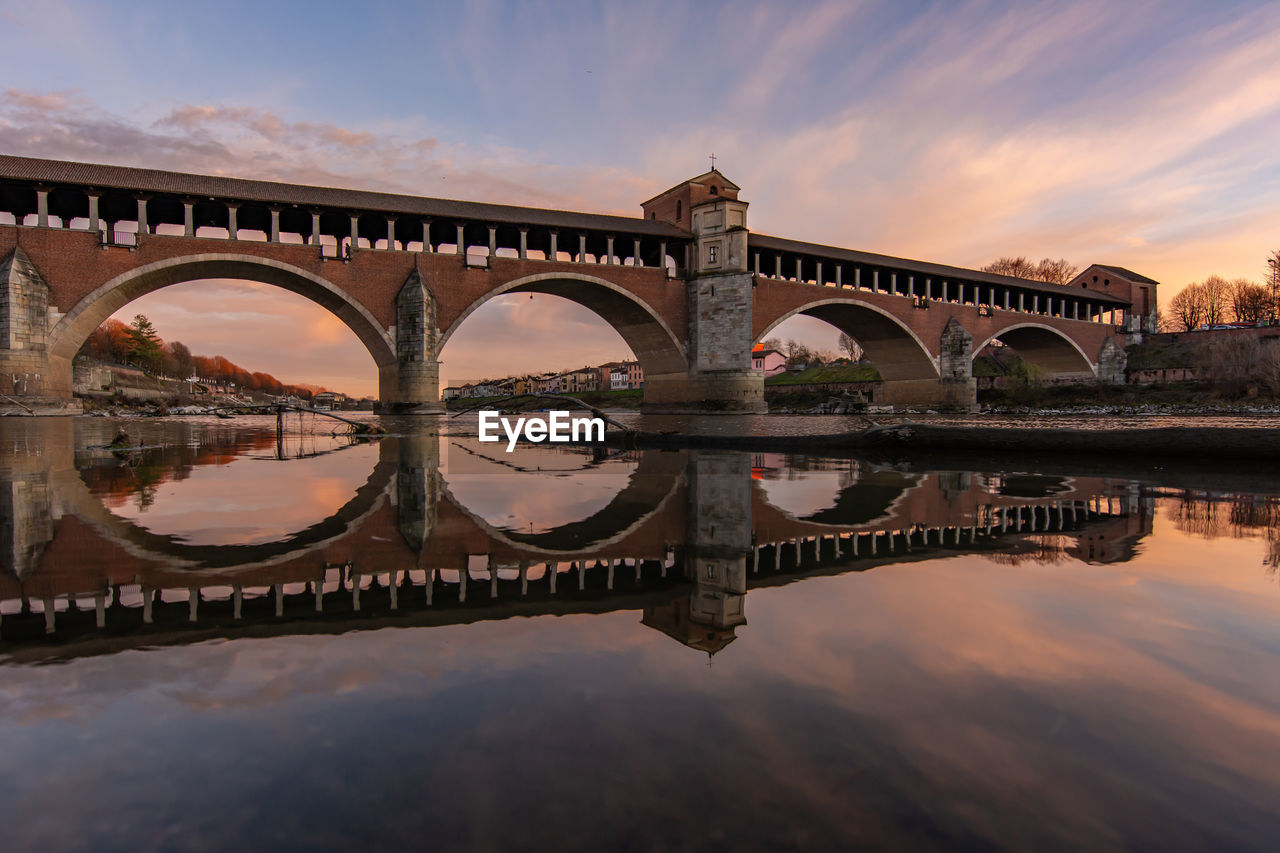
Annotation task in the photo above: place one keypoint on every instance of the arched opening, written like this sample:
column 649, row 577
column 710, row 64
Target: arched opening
column 73, row 329
column 1049, row 350
column 893, row 349
column 535, row 327
column 557, row 500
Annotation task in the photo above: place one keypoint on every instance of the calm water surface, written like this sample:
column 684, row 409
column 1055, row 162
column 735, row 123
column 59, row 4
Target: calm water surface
column 218, row 640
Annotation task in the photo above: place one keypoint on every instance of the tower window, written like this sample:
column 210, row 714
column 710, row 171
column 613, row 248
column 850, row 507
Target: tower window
column 715, row 190
column 713, row 254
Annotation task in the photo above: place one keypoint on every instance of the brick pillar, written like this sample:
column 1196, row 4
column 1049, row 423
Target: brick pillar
column 412, row 384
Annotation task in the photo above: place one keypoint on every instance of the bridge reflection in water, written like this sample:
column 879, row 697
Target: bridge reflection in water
column 684, row 541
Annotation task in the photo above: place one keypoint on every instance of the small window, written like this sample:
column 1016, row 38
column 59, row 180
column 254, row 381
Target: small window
column 713, row 254
column 679, row 210
column 653, row 215
column 715, row 190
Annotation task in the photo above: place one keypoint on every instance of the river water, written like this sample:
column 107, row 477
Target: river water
column 216, row 637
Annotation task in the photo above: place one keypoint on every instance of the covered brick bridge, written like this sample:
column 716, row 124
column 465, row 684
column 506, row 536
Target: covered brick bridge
column 687, row 286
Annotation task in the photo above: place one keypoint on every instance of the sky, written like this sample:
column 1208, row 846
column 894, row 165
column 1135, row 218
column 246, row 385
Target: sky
column 1140, row 134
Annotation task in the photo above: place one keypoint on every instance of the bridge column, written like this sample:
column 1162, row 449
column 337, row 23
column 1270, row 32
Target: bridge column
column 720, row 293
column 953, row 390
column 31, row 379
column 412, row 384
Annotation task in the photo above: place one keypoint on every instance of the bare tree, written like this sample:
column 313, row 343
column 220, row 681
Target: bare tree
column 1186, row 309
column 1018, row 267
column 773, row 344
column 850, row 347
column 1250, row 302
column 797, row 353
column 1060, row 271
column 1217, row 299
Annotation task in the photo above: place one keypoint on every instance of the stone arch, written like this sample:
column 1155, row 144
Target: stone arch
column 74, row 328
column 1044, row 346
column 654, row 344
column 893, row 347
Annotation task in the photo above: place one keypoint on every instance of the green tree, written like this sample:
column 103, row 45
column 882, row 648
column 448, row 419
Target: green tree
column 145, row 347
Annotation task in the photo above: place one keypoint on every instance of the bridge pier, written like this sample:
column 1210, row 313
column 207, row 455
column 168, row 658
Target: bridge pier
column 411, row 384
column 34, row 380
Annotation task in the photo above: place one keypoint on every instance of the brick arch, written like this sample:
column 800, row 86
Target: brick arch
column 73, row 329
column 1044, row 346
column 892, row 346
column 650, row 338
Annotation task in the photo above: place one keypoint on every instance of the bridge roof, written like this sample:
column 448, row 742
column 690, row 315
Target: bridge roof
column 779, row 244
column 92, row 175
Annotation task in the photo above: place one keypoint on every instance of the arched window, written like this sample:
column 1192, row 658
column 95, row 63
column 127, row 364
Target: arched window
column 679, row 210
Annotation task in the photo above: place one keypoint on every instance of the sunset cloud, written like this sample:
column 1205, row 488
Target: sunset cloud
column 1101, row 133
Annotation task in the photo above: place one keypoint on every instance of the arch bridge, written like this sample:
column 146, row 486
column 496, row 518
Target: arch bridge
column 687, row 285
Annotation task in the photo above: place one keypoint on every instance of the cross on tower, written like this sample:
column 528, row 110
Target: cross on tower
column 713, row 161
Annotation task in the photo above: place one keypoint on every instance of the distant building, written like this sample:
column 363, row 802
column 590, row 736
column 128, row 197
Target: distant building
column 626, row 376
column 770, row 361
column 577, row 381
column 327, row 400
column 605, row 371
column 1139, row 290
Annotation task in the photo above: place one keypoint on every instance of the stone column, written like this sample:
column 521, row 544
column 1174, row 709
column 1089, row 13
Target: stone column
column 391, row 233
column 27, row 370
column 582, row 248
column 493, row 241
column 232, row 230
column 553, row 254
column 524, row 243
column 1112, row 361
column 93, row 211
column 412, row 384
column 355, row 235
column 635, row 254
column 462, row 240
column 188, row 219
column 142, row 216
column 314, row 237
column 42, row 208
column 274, row 233
column 608, row 252
column 426, row 237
